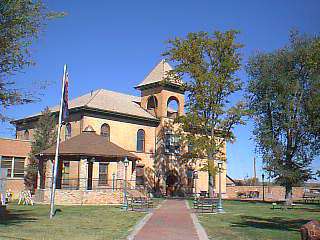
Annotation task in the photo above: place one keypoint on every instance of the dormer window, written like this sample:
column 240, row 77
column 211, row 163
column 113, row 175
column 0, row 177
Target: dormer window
column 105, row 131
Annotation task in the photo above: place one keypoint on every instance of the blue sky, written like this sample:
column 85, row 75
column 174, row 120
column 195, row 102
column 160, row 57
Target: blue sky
column 114, row 44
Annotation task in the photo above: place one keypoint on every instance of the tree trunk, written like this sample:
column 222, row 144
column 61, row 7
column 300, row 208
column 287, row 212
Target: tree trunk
column 211, row 185
column 288, row 192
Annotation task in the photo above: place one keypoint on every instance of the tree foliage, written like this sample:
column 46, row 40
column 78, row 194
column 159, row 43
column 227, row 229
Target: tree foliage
column 284, row 95
column 44, row 136
column 21, row 22
column 209, row 63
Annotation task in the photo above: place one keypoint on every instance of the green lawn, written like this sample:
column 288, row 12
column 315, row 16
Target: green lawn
column 250, row 221
column 73, row 222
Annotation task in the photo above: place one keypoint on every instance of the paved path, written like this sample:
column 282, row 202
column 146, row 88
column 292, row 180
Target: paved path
column 172, row 221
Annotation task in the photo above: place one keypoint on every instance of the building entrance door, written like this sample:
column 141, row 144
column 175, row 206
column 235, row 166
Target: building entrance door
column 172, row 181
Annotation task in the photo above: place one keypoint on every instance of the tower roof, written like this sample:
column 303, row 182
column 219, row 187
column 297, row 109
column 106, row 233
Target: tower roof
column 158, row 74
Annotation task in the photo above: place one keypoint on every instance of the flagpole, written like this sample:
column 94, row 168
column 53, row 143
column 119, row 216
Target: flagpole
column 55, row 167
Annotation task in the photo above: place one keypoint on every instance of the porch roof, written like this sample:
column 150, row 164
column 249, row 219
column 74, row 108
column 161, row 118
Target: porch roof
column 90, row 144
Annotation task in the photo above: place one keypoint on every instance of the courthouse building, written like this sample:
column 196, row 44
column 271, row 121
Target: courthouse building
column 107, row 127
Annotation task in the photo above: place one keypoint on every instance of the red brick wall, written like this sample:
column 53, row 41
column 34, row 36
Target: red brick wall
column 15, row 186
column 271, row 192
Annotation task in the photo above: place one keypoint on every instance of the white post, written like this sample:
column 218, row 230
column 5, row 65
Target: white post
column 55, row 167
column 12, row 167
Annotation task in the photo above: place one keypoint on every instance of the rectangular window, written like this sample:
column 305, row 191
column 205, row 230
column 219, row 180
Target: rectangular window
column 18, row 167
column 190, row 177
column 14, row 166
column 6, row 162
column 103, row 174
column 65, row 174
column 139, row 175
column 172, row 143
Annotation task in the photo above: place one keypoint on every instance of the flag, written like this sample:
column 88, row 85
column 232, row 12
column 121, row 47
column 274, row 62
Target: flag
column 65, row 109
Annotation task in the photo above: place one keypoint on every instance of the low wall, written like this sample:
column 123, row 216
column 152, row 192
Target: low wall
column 89, row 197
column 271, row 192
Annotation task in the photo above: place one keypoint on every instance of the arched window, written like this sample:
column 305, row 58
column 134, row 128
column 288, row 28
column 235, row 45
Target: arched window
column 140, row 140
column 105, row 131
column 172, row 107
column 26, row 135
column 152, row 103
column 68, row 131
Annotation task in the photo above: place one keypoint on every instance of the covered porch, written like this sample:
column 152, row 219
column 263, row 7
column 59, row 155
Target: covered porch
column 91, row 170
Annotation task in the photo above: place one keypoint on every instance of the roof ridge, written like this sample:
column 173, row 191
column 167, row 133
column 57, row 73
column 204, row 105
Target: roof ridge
column 97, row 91
column 119, row 93
column 158, row 74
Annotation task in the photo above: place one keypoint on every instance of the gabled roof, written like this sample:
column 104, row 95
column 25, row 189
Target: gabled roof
column 158, row 74
column 90, row 144
column 106, row 100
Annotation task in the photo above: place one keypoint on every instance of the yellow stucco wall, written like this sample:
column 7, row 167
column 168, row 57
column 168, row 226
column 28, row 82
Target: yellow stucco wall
column 124, row 134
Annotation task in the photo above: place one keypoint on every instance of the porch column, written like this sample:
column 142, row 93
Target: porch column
column 48, row 174
column 83, row 173
column 95, row 175
column 120, row 174
column 120, row 170
column 133, row 173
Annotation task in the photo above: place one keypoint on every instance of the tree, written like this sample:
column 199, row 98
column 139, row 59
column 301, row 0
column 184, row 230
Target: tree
column 284, row 95
column 209, row 62
column 44, row 137
column 21, row 22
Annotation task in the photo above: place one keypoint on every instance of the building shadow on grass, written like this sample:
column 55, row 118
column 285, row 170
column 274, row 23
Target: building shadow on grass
column 314, row 209
column 17, row 217
column 275, row 223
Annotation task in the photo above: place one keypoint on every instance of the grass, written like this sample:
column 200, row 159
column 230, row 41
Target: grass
column 248, row 221
column 71, row 222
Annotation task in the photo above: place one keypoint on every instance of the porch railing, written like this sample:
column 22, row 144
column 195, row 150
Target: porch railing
column 92, row 184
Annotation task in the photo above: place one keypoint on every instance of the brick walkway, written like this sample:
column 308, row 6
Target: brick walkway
column 172, row 221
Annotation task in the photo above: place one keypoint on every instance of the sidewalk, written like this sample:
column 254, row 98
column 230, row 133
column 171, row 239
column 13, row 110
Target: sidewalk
column 172, row 221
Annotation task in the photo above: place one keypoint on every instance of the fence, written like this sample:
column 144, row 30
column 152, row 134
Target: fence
column 87, row 191
column 92, row 184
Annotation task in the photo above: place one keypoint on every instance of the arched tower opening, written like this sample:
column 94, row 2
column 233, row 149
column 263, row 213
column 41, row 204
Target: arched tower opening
column 172, row 107
column 152, row 104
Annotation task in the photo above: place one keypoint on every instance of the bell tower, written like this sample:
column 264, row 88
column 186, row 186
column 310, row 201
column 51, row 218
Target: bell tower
column 161, row 96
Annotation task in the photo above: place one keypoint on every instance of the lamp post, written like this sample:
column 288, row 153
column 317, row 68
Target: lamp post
column 263, row 187
column 125, row 202
column 195, row 177
column 219, row 205
column 113, row 181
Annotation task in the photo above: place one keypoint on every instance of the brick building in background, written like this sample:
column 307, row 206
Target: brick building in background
column 14, row 157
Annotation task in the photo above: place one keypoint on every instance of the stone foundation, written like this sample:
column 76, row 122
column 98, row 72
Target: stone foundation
column 75, row 197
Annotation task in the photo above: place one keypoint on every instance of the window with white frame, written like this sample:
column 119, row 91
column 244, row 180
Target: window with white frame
column 140, row 140
column 103, row 173
column 14, row 166
column 172, row 143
